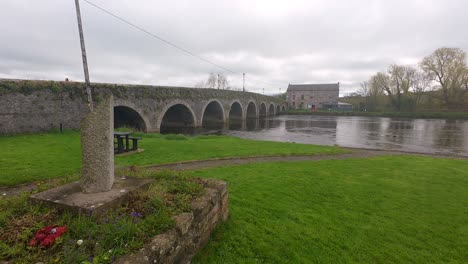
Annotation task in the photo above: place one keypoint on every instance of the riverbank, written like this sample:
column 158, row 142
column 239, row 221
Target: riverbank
column 423, row 115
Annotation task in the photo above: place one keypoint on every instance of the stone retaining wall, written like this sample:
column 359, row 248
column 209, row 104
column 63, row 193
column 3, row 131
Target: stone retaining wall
column 191, row 232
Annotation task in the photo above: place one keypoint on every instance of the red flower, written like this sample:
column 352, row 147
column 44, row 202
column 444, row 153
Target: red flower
column 33, row 242
column 47, row 241
column 46, row 236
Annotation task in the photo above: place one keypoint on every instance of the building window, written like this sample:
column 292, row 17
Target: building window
column 311, row 97
column 302, row 97
column 294, row 97
column 294, row 104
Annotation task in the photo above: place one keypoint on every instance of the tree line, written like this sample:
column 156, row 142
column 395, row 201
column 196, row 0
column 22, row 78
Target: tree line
column 438, row 83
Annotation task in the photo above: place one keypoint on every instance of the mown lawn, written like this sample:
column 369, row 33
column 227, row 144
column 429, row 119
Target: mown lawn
column 399, row 209
column 26, row 158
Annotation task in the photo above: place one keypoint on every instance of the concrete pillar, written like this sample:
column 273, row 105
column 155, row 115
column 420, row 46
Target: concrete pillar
column 97, row 143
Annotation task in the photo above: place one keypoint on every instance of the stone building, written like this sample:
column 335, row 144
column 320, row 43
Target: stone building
column 313, row 96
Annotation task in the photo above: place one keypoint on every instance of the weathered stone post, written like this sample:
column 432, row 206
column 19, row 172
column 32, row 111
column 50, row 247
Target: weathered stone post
column 97, row 148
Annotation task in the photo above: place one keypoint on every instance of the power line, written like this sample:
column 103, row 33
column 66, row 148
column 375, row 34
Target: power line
column 164, row 40
column 158, row 37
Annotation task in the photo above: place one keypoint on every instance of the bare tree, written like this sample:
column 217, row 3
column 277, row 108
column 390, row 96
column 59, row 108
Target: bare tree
column 364, row 89
column 214, row 81
column 421, row 84
column 200, row 84
column 222, row 82
column 448, row 67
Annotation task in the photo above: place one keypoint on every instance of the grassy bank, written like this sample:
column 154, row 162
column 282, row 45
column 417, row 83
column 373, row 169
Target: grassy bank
column 402, row 209
column 26, row 158
column 429, row 115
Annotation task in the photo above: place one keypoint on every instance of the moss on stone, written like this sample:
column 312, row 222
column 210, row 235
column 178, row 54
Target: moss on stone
column 76, row 90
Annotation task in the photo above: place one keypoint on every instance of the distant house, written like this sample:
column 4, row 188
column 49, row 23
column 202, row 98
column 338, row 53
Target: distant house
column 338, row 106
column 313, row 96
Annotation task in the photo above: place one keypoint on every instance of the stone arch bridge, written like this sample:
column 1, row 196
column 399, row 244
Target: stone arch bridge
column 30, row 106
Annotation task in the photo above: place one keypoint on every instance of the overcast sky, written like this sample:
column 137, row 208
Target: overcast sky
column 273, row 42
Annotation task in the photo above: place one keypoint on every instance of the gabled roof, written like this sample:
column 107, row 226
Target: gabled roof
column 314, row 87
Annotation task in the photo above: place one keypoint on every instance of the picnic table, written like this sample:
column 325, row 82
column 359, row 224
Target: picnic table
column 123, row 142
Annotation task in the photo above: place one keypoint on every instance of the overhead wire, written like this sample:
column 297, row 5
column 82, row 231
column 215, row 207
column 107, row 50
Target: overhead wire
column 168, row 42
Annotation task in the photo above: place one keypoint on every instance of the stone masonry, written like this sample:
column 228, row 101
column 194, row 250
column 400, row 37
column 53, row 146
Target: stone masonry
column 34, row 106
column 97, row 144
column 191, row 233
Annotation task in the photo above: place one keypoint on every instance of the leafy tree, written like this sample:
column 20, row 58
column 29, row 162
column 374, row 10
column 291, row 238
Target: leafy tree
column 395, row 83
column 448, row 67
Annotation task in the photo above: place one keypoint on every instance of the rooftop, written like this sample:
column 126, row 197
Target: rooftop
column 314, row 87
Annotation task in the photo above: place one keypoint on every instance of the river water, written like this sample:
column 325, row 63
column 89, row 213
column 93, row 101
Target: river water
column 432, row 136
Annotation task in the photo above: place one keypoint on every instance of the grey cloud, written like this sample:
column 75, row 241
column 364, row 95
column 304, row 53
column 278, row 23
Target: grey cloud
column 274, row 42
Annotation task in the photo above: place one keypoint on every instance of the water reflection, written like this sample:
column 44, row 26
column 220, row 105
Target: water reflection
column 235, row 124
column 252, row 124
column 414, row 135
column 446, row 134
column 262, row 123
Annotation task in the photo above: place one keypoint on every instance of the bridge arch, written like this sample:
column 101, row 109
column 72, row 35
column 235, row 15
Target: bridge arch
column 178, row 118
column 236, row 114
column 127, row 116
column 283, row 108
column 251, row 115
column 271, row 110
column 263, row 110
column 213, row 116
column 278, row 109
column 251, row 112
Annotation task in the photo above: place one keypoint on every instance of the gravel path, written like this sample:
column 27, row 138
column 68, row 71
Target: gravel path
column 200, row 164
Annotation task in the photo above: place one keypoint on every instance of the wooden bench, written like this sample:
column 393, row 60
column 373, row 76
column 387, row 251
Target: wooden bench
column 134, row 142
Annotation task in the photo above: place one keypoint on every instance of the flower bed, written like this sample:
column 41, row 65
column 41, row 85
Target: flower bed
column 32, row 233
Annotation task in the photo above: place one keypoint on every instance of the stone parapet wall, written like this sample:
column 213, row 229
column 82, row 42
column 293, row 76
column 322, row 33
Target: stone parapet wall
column 35, row 106
column 191, row 232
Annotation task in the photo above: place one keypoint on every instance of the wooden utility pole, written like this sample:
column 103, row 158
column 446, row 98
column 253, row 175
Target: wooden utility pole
column 83, row 55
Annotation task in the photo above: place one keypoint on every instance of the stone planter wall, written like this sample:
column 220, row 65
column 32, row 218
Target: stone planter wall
column 191, row 232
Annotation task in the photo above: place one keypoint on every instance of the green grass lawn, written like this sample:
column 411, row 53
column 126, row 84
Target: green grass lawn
column 26, row 158
column 399, row 209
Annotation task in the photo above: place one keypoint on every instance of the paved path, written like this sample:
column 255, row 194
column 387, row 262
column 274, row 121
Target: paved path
column 200, row 164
